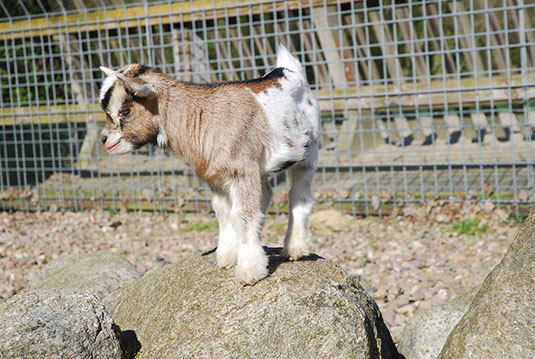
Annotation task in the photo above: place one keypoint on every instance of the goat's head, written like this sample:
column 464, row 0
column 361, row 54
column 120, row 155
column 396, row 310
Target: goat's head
column 129, row 99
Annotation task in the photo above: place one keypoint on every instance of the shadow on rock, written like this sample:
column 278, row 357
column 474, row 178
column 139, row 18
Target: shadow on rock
column 274, row 257
column 130, row 345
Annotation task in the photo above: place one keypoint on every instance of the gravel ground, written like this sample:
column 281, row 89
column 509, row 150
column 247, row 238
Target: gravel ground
column 425, row 255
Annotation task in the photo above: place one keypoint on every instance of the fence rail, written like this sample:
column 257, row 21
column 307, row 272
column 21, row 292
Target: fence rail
column 419, row 99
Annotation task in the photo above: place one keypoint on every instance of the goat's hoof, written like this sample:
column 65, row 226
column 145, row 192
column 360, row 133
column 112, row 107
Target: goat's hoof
column 245, row 284
column 226, row 265
column 226, row 261
column 250, row 276
column 295, row 254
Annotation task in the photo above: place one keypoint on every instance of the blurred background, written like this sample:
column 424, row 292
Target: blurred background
column 420, row 100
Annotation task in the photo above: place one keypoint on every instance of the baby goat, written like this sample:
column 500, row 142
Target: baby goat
column 236, row 134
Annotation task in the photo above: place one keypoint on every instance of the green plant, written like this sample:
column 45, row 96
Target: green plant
column 470, row 226
column 512, row 219
column 199, row 227
column 111, row 210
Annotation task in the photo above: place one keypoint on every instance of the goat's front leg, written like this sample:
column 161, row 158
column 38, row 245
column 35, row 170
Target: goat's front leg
column 227, row 245
column 247, row 219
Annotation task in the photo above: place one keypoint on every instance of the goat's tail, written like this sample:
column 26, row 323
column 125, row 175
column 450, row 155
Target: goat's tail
column 285, row 59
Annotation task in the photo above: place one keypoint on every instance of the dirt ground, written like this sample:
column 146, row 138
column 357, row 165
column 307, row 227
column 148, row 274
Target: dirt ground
column 425, row 255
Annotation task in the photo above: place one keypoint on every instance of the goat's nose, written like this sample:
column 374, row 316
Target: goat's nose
column 104, row 139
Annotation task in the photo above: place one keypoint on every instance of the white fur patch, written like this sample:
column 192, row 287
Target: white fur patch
column 293, row 115
column 106, row 85
column 109, row 81
column 227, row 246
column 161, row 139
column 123, row 146
column 287, row 60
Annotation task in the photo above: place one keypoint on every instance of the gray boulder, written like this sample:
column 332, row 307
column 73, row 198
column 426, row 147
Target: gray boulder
column 57, row 323
column 100, row 273
column 500, row 321
column 305, row 309
column 427, row 331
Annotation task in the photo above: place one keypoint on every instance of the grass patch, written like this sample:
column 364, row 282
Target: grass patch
column 514, row 220
column 470, row 226
column 111, row 210
column 201, row 226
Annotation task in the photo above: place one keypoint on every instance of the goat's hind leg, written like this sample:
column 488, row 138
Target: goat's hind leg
column 227, row 246
column 301, row 202
column 267, row 196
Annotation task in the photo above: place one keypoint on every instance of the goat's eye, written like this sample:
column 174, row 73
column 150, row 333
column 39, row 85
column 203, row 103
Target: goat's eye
column 124, row 111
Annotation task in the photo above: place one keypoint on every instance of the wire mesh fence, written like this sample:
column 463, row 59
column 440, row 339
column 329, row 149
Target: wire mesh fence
column 420, row 99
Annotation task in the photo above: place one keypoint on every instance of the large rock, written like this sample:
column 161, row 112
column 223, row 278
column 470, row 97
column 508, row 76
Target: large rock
column 500, row 322
column 305, row 309
column 427, row 331
column 57, row 323
column 100, row 273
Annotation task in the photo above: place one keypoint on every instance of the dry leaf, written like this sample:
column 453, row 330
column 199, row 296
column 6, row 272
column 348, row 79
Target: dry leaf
column 376, row 203
column 13, row 192
column 386, row 195
column 329, row 193
column 166, row 192
column 191, row 194
column 414, row 211
column 472, row 194
column 146, row 194
column 487, row 206
column 343, row 194
column 488, row 189
column 523, row 194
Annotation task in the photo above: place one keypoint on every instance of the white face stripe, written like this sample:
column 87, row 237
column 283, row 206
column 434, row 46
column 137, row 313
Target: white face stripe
column 110, row 80
column 106, row 85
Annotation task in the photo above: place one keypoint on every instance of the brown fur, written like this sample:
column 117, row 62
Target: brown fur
column 261, row 86
column 209, row 115
column 208, row 126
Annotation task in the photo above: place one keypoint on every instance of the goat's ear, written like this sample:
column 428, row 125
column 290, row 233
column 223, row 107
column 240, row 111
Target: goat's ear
column 107, row 71
column 137, row 87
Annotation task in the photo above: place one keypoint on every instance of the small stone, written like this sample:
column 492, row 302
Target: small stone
column 329, row 221
column 407, row 310
column 443, row 294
